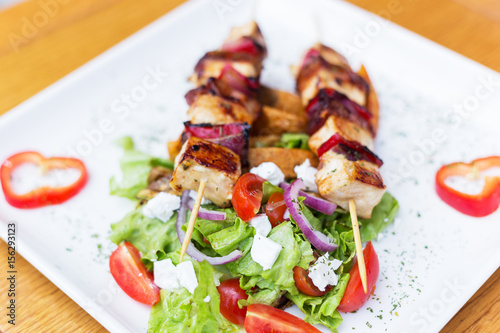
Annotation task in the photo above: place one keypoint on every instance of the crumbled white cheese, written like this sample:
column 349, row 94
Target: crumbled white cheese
column 308, row 175
column 194, row 194
column 265, row 251
column 261, row 224
column 165, row 275
column 207, row 299
column 162, row 206
column 270, row 172
column 187, row 276
column 169, row 277
column 322, row 273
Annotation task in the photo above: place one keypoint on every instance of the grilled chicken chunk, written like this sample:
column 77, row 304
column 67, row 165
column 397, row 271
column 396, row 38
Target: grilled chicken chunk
column 340, row 180
column 318, row 75
column 345, row 128
column 202, row 159
column 216, row 110
column 250, row 30
column 212, row 63
column 323, row 67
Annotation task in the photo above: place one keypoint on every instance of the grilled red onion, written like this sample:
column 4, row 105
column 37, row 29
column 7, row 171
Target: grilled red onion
column 192, row 251
column 319, row 204
column 319, row 240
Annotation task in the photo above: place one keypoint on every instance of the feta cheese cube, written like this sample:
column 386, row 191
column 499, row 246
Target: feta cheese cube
column 162, row 206
column 308, row 175
column 322, row 273
column 265, row 251
column 165, row 276
column 207, row 299
column 270, row 172
column 169, row 277
column 261, row 224
column 187, row 276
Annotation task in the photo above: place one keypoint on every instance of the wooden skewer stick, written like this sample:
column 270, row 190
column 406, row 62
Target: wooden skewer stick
column 192, row 218
column 359, row 247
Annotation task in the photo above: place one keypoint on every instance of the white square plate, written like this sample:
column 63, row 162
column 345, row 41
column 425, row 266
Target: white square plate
column 437, row 107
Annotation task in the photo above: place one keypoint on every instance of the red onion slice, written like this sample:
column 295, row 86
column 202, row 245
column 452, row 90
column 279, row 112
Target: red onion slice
column 192, row 251
column 319, row 240
column 206, row 214
column 319, row 204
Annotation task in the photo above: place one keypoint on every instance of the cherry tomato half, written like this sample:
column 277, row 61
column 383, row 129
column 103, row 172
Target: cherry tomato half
column 247, row 196
column 304, row 283
column 132, row 276
column 230, row 293
column 266, row 319
column 354, row 296
column 275, row 208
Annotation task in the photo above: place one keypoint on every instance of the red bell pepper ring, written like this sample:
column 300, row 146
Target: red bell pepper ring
column 477, row 205
column 45, row 195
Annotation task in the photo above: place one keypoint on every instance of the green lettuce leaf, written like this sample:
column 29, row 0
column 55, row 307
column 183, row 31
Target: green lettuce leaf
column 383, row 214
column 295, row 251
column 180, row 310
column 322, row 310
column 227, row 240
column 294, row 140
column 152, row 237
column 269, row 189
column 135, row 167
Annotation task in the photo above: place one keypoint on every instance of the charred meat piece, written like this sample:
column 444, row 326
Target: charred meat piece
column 216, row 87
column 234, row 136
column 208, row 108
column 330, row 102
column 335, row 124
column 212, row 64
column 340, row 180
column 247, row 38
column 201, row 159
column 317, row 73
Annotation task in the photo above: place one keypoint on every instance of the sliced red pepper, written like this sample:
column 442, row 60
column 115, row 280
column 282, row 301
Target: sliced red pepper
column 477, row 205
column 352, row 150
column 45, row 195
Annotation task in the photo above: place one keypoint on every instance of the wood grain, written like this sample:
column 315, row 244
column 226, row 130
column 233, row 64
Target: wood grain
column 79, row 30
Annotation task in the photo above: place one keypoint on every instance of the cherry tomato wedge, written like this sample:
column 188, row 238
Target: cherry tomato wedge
column 132, row 276
column 275, row 208
column 230, row 293
column 354, row 296
column 266, row 319
column 304, row 283
column 247, row 196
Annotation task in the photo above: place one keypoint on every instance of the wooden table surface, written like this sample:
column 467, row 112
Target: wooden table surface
column 72, row 32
